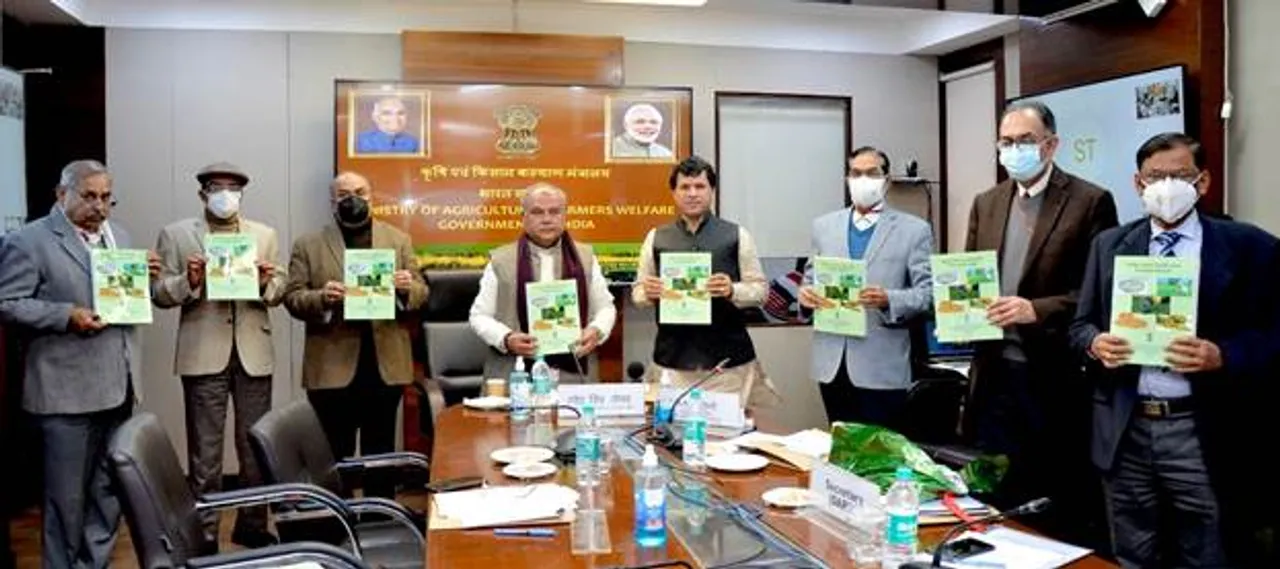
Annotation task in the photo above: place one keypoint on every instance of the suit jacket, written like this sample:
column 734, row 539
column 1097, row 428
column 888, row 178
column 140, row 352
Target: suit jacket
column 1238, row 310
column 332, row 344
column 1074, row 211
column 208, row 329
column 44, row 273
column 898, row 260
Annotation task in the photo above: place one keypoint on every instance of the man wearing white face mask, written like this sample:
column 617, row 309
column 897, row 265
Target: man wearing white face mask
column 1172, row 442
column 866, row 379
column 1028, row 402
column 224, row 348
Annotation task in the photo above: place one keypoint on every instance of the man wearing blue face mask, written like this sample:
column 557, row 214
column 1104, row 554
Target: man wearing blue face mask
column 224, row 349
column 1028, row 402
column 1173, row 442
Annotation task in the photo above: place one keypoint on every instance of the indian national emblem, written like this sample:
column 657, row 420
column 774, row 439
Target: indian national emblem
column 519, row 130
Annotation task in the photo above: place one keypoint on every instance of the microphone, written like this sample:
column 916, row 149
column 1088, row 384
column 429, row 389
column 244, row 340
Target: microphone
column 635, row 371
column 1033, row 507
column 662, row 434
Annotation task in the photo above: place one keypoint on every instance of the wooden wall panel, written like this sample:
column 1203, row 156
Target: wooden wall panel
column 1120, row 40
column 511, row 58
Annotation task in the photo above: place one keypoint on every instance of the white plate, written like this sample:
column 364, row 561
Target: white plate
column 788, row 497
column 487, row 403
column 737, row 462
column 513, row 455
column 529, row 470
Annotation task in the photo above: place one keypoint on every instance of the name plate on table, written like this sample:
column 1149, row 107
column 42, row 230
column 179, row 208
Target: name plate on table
column 609, row 399
column 839, row 492
column 723, row 409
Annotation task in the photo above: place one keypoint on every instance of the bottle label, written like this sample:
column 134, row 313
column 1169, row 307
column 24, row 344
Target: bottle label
column 695, row 430
column 653, row 508
column 901, row 530
column 587, row 449
column 541, row 384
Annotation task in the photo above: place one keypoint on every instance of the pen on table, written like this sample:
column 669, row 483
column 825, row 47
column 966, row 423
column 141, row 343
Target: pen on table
column 524, row 532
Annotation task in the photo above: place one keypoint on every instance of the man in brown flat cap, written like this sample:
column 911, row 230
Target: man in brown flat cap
column 224, row 336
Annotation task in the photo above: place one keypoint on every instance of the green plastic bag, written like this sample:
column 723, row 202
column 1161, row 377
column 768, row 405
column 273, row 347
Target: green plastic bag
column 875, row 453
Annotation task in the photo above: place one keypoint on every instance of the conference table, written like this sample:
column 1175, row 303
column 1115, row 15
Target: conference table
column 466, row 437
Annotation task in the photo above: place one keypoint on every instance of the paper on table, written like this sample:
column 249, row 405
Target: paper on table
column 503, row 506
column 1016, row 550
column 963, row 502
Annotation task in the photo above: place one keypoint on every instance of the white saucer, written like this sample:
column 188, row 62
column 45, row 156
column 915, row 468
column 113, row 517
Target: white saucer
column 487, row 403
column 740, row 462
column 788, row 497
column 514, row 455
column 529, row 470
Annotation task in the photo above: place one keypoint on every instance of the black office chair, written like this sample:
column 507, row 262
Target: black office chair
column 455, row 355
column 290, row 446
column 164, row 516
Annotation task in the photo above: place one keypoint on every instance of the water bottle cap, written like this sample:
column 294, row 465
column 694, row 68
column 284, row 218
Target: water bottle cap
column 904, row 474
column 650, row 457
column 519, row 363
column 695, row 394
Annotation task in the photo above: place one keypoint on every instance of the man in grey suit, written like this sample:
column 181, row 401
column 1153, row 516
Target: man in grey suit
column 224, row 347
column 80, row 374
column 865, row 380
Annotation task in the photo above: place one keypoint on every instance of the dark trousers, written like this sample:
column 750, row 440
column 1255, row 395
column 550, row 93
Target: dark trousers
column 1159, row 482
column 848, row 403
column 1039, row 418
column 367, row 406
column 205, row 398
column 81, row 512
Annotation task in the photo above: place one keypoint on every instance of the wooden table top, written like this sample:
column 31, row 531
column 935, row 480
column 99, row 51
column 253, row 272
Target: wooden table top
column 464, row 439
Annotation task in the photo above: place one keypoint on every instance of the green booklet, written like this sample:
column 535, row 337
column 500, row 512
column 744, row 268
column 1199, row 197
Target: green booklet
column 965, row 285
column 371, row 293
column 839, row 281
column 231, row 269
column 553, row 315
column 685, row 298
column 1153, row 301
column 121, row 285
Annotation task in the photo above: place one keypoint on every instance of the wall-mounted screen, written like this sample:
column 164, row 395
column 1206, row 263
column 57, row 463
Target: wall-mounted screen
column 13, row 161
column 1101, row 125
column 449, row 162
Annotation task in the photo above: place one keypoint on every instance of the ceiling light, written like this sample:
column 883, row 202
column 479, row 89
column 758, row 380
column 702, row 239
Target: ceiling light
column 690, row 3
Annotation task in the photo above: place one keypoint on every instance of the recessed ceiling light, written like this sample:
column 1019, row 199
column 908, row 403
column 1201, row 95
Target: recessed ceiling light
column 691, row 3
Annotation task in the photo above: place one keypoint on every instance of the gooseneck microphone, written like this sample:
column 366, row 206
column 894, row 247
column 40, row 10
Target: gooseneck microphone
column 1033, row 507
column 661, row 432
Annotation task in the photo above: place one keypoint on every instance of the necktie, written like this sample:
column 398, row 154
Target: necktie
column 1167, row 241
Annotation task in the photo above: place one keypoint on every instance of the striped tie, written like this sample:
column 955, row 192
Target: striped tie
column 1167, row 241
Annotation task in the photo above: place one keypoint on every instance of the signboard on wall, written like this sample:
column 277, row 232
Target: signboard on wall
column 448, row 163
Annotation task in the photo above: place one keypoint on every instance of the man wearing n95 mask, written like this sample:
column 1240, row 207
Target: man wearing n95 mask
column 1173, row 442
column 865, row 379
column 224, row 348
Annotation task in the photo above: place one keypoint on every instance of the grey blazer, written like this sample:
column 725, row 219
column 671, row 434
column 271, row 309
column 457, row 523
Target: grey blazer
column 44, row 272
column 898, row 260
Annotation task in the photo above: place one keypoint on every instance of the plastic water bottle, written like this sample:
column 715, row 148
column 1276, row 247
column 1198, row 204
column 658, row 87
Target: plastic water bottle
column 651, row 501
column 902, row 505
column 694, row 444
column 587, row 448
column 541, row 375
column 520, row 390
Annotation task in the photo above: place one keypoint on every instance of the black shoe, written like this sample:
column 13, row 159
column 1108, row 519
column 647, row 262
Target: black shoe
column 253, row 539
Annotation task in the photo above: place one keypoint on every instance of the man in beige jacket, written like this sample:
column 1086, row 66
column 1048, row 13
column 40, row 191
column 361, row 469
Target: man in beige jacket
column 354, row 371
column 224, row 346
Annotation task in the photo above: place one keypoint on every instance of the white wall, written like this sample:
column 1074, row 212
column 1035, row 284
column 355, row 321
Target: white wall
column 1255, row 123
column 177, row 100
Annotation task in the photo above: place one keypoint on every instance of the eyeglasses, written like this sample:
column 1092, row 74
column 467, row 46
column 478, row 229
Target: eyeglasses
column 1030, row 139
column 1154, row 176
column 94, row 199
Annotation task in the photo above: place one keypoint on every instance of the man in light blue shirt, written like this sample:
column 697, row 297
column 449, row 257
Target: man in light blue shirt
column 1174, row 442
